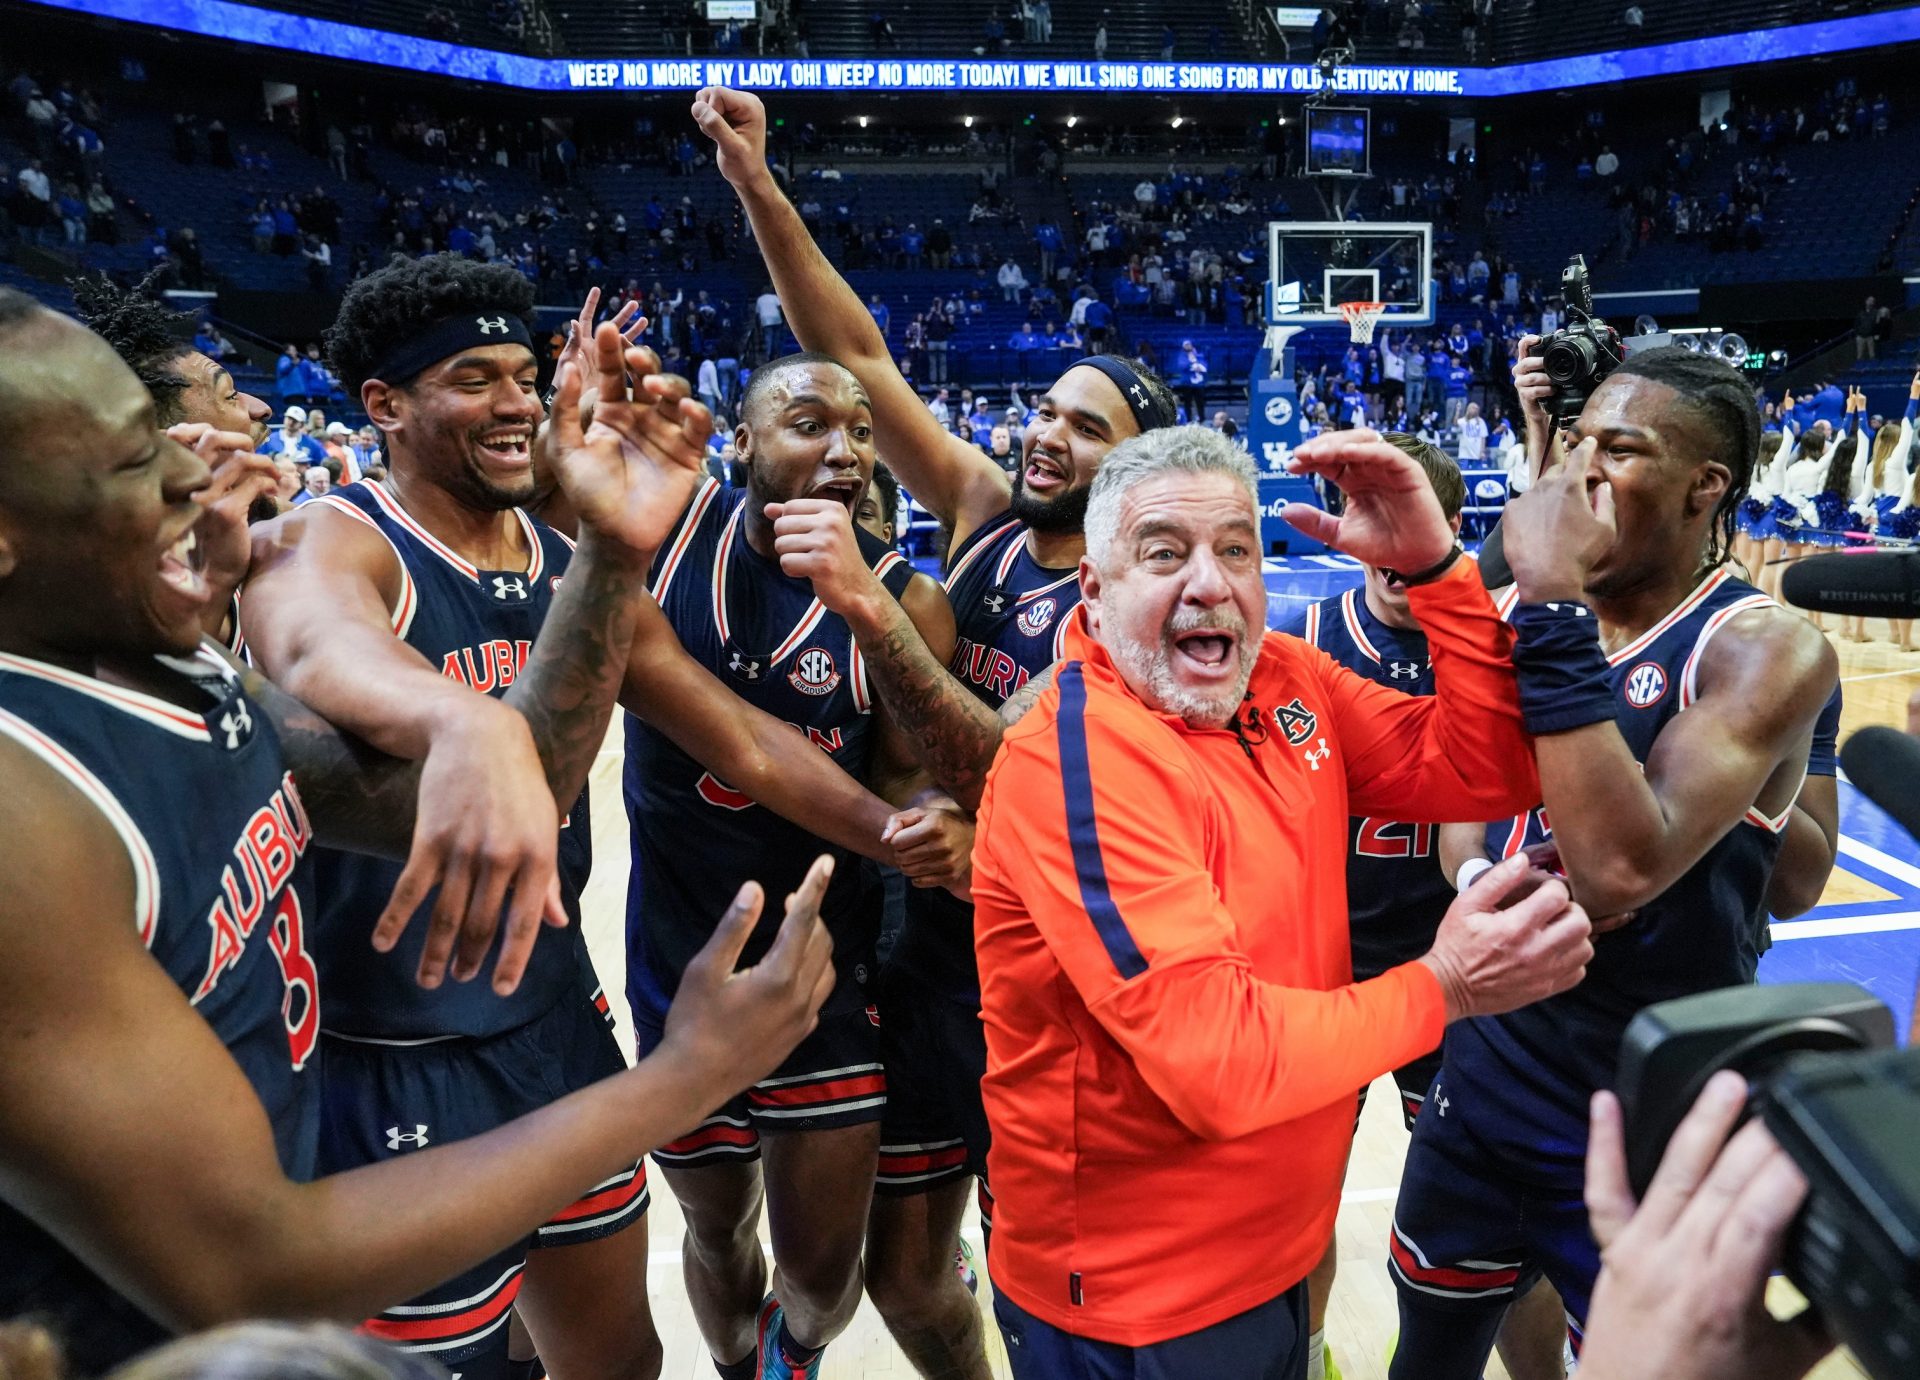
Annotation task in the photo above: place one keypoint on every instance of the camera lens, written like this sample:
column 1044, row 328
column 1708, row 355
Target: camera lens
column 1570, row 358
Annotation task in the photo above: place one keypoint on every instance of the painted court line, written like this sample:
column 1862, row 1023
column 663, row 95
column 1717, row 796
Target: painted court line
column 1884, row 863
column 1845, row 925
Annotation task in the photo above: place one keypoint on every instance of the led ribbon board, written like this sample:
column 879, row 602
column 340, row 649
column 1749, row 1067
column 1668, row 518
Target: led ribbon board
column 224, row 19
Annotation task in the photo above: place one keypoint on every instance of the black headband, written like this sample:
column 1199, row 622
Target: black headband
column 448, row 337
column 1148, row 411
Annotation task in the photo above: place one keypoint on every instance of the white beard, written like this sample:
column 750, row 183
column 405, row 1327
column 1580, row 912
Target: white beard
column 1153, row 668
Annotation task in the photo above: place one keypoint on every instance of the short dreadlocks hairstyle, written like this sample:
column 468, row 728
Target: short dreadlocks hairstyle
column 1716, row 394
column 149, row 335
column 395, row 303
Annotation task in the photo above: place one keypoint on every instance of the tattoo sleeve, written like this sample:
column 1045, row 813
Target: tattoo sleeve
column 952, row 733
column 361, row 799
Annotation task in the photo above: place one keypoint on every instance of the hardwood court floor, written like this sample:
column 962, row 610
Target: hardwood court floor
column 1878, row 680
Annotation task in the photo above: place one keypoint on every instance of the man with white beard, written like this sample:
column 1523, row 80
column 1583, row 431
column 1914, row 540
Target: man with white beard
column 1161, row 923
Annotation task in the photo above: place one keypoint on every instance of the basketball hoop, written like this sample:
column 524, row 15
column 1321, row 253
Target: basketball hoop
column 1361, row 319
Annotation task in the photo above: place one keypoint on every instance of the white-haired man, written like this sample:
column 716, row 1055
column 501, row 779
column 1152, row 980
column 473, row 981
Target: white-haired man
column 1173, row 1034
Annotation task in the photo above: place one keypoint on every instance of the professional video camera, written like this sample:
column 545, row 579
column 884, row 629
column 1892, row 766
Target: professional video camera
column 1842, row 1103
column 1581, row 354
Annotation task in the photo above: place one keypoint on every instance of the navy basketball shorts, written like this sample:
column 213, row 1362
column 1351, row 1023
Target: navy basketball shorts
column 935, row 1052
column 1267, row 1342
column 1473, row 1229
column 385, row 1099
column 1412, row 1079
column 833, row 1079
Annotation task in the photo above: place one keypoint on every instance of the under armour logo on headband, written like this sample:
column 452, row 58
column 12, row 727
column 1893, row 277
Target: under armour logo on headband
column 1139, row 394
column 488, row 325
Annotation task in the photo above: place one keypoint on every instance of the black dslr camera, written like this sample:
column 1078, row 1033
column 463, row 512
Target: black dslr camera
column 1842, row 1102
column 1581, row 354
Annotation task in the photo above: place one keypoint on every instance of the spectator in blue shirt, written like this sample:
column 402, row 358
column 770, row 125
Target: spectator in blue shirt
column 1047, row 236
column 882, row 317
column 913, row 245
column 292, row 439
column 1193, row 381
column 1458, row 379
column 320, row 383
column 1099, row 323
column 980, row 423
column 289, row 379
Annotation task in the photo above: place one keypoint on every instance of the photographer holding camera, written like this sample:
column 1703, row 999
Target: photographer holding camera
column 1624, row 613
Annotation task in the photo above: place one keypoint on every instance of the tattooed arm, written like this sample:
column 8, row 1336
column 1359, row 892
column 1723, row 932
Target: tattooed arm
column 1015, row 706
column 950, row 733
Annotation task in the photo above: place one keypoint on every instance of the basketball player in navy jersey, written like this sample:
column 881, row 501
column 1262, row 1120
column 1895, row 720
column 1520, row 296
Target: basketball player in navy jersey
column 159, row 1001
column 807, row 1137
column 1625, row 614
column 1013, row 579
column 387, row 607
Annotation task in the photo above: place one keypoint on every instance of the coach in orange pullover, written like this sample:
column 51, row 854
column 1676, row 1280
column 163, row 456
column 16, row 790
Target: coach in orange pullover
column 1174, row 1038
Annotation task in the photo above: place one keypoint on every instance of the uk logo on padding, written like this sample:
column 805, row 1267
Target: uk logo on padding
column 814, row 673
column 1645, row 684
column 416, row 1139
column 509, row 589
column 1034, row 617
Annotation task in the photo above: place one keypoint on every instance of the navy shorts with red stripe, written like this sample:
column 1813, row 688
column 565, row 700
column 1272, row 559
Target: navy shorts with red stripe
column 833, row 1079
column 1470, row 1235
column 387, row 1099
column 1413, row 1079
column 935, row 1052
column 1267, row 1342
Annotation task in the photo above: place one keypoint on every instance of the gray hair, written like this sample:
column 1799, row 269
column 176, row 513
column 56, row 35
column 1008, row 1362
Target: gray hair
column 1167, row 449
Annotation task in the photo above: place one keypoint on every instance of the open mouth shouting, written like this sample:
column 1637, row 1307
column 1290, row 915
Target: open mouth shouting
column 842, row 488
column 1209, row 653
column 1043, row 474
column 182, row 565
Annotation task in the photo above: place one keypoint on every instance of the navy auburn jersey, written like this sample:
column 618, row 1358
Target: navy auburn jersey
column 213, row 827
column 1396, row 890
column 477, row 627
column 1541, row 1063
column 1010, row 613
column 695, row 838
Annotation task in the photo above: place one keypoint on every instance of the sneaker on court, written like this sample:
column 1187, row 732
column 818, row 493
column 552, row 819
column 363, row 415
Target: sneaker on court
column 774, row 1365
column 963, row 1266
column 1328, row 1370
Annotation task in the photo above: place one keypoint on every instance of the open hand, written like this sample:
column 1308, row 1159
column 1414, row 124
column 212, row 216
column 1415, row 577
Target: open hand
column 580, row 331
column 628, row 475
column 1496, row 953
column 1392, row 518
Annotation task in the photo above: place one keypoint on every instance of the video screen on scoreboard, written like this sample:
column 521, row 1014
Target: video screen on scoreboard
column 1337, row 140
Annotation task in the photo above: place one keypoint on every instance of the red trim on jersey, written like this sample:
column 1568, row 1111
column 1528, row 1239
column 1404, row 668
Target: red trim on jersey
column 1311, row 633
column 154, row 710
column 802, row 630
column 401, row 615
column 1691, row 669
column 981, row 541
column 391, row 507
column 1350, row 612
column 1681, row 610
column 695, row 511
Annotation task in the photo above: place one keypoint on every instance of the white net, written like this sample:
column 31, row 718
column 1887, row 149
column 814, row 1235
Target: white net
column 1361, row 319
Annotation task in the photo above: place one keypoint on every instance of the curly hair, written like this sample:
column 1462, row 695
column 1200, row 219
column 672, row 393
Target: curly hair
column 397, row 302
column 149, row 335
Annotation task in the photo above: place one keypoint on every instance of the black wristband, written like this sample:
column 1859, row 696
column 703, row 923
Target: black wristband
column 1431, row 573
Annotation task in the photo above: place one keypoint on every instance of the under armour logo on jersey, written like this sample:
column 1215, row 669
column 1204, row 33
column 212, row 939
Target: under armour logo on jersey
column 995, row 602
column 399, row 1140
column 237, row 724
column 1315, row 756
column 1440, row 1104
column 743, row 668
column 1296, row 721
column 489, row 324
column 508, row 588
column 1403, row 670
